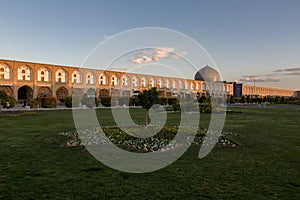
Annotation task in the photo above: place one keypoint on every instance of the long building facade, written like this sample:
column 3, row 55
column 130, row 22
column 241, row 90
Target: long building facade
column 29, row 80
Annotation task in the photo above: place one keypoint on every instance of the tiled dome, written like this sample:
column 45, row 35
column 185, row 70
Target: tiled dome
column 207, row 74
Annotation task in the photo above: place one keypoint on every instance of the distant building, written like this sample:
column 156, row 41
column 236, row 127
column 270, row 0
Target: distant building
column 297, row 94
column 237, row 90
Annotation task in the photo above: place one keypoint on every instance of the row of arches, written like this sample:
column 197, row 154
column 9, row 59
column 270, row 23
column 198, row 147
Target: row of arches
column 25, row 73
column 26, row 93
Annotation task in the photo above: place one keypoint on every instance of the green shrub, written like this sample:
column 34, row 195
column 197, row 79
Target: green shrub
column 34, row 103
column 44, row 102
column 162, row 101
column 176, row 106
column 134, row 101
column 68, row 102
column 172, row 101
column 205, row 107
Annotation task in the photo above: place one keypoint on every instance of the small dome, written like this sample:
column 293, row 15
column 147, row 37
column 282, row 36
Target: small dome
column 207, row 74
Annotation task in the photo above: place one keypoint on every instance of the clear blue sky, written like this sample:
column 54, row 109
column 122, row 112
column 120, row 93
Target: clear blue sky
column 246, row 39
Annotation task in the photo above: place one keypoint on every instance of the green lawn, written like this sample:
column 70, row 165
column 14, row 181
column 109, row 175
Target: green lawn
column 34, row 164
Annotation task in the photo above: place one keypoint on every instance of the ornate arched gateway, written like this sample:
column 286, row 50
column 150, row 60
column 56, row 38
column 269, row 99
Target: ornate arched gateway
column 91, row 93
column 44, row 92
column 103, row 93
column 25, row 93
column 61, row 93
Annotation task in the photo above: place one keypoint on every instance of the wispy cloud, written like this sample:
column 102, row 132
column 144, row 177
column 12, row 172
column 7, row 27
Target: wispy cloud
column 154, row 55
column 289, row 71
column 259, row 78
column 272, row 79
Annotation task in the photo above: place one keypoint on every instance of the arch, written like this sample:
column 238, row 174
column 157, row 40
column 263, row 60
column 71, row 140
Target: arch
column 103, row 79
column 90, row 78
column 114, row 80
column 125, row 80
column 135, row 81
column 126, row 93
column 91, row 93
column 44, row 92
column 43, row 74
column 167, row 83
column 77, row 92
column 5, row 72
column 116, row 92
column 25, row 73
column 187, row 85
column 197, row 85
column 192, row 86
column 77, row 77
column 174, row 84
column 152, row 82
column 181, row 85
column 60, row 76
column 25, row 93
column 144, row 82
column 61, row 93
column 103, row 93
column 203, row 87
column 159, row 83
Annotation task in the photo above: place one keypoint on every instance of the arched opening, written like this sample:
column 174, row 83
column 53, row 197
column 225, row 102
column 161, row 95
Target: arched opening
column 103, row 79
column 61, row 76
column 103, row 93
column 24, row 73
column 126, row 93
column 77, row 92
column 114, row 80
column 144, row 82
column 2, row 73
column 44, row 92
column 43, row 74
column 125, row 80
column 91, row 93
column 135, row 82
column 25, row 93
column 61, row 93
column 90, row 78
column 76, row 77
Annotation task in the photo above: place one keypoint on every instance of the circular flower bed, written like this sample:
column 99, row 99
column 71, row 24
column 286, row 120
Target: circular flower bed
column 162, row 141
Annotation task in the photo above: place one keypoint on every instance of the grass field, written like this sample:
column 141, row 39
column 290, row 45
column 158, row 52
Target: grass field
column 34, row 164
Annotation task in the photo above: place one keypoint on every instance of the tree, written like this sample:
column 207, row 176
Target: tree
column 148, row 98
column 5, row 98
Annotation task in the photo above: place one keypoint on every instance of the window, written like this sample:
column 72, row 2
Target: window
column 24, row 73
column 76, row 77
column 2, row 73
column 61, row 76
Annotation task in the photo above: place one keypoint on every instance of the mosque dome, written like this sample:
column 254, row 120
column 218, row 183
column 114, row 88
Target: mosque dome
column 207, row 74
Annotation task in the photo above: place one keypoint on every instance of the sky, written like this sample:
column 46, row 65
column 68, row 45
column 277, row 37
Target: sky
column 247, row 40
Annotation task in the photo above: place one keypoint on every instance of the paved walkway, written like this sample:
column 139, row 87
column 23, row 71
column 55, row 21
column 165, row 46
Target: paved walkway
column 287, row 106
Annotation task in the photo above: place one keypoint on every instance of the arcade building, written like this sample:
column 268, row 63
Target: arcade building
column 29, row 80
